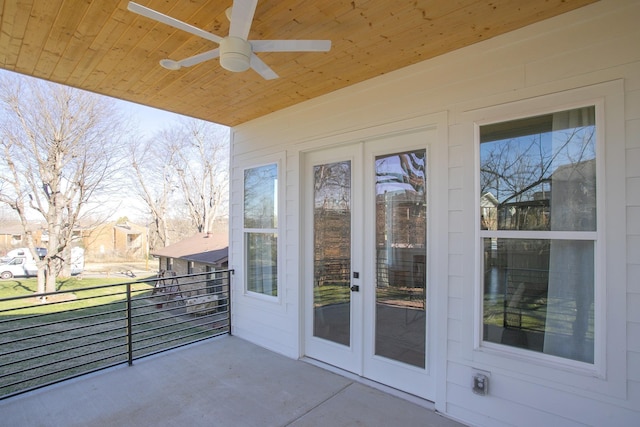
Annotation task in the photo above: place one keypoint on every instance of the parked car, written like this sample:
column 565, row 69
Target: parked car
column 23, row 252
column 18, row 267
column 20, row 262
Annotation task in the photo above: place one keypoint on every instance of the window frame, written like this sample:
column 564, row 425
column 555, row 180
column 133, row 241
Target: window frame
column 608, row 376
column 251, row 230
column 597, row 237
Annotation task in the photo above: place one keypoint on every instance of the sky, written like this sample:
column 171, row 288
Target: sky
column 148, row 121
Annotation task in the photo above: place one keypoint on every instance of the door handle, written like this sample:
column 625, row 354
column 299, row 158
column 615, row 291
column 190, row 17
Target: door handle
column 355, row 288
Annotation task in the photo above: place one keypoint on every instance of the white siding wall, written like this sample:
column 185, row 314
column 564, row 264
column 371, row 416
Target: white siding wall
column 632, row 121
column 596, row 44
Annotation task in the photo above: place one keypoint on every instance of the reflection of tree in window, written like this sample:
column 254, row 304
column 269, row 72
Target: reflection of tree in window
column 260, row 197
column 332, row 223
column 260, row 223
column 539, row 175
column 522, row 160
column 401, row 232
column 332, row 251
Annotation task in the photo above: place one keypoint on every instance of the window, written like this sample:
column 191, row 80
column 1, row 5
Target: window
column 538, row 226
column 260, row 229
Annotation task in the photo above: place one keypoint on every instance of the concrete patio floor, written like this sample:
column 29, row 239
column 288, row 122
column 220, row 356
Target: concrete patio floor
column 221, row 382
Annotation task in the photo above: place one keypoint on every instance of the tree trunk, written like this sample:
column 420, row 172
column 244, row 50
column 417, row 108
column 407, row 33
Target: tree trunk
column 66, row 264
column 41, row 280
column 50, row 279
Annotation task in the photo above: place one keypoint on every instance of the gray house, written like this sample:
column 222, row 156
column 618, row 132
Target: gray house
column 199, row 253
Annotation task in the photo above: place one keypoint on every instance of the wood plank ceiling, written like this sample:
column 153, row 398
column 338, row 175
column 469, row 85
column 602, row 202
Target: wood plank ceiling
column 102, row 47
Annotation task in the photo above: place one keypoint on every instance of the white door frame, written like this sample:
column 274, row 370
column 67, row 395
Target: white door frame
column 438, row 252
column 411, row 379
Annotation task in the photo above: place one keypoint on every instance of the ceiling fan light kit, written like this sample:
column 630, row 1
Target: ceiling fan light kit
column 236, row 52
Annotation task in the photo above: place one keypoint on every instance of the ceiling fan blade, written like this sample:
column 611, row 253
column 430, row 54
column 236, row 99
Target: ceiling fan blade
column 290, row 45
column 261, row 68
column 201, row 57
column 172, row 22
column 241, row 17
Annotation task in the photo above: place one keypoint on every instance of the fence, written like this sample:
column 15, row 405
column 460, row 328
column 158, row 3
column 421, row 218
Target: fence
column 97, row 327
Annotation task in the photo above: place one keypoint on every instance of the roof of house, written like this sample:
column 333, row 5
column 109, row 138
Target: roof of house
column 15, row 227
column 202, row 247
column 129, row 228
column 11, row 228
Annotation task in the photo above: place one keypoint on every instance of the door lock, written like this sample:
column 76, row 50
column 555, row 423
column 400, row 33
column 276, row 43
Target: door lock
column 355, row 288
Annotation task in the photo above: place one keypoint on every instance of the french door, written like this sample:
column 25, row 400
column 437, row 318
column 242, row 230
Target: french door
column 366, row 270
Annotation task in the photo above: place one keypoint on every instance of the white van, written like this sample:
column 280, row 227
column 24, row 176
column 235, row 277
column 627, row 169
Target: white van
column 18, row 267
column 20, row 263
column 23, row 252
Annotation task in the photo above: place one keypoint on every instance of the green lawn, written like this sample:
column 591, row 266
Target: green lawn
column 27, row 286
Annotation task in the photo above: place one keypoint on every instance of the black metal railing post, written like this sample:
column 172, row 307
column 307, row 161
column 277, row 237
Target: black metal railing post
column 229, row 274
column 129, row 327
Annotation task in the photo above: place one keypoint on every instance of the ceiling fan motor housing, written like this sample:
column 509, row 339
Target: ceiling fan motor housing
column 235, row 54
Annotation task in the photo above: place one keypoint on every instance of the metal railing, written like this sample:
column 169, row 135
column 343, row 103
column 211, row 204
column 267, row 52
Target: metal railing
column 83, row 330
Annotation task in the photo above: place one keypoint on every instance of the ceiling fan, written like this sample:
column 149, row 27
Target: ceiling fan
column 235, row 51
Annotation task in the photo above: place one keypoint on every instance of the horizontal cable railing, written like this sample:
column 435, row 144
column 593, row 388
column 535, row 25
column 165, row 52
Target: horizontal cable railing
column 51, row 337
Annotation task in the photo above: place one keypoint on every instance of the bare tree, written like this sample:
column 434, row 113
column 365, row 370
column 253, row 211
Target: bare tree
column 154, row 181
column 61, row 148
column 520, row 171
column 183, row 172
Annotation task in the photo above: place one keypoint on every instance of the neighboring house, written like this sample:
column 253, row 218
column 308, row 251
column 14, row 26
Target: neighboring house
column 116, row 240
column 201, row 253
column 12, row 236
column 516, row 325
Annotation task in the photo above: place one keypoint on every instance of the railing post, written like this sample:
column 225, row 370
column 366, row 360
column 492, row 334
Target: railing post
column 129, row 327
column 229, row 274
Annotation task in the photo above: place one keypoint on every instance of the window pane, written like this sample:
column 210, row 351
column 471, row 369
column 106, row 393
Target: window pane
column 539, row 173
column 261, row 268
column 539, row 295
column 260, row 197
column 401, row 246
column 332, row 252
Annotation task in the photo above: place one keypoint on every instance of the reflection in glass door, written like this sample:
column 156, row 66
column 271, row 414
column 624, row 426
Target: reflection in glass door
column 401, row 244
column 332, row 251
column 368, row 309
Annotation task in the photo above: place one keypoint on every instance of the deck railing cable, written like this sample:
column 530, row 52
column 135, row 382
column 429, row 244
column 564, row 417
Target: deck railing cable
column 84, row 330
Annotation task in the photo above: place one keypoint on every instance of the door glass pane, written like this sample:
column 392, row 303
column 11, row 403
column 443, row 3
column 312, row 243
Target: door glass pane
column 401, row 249
column 332, row 251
